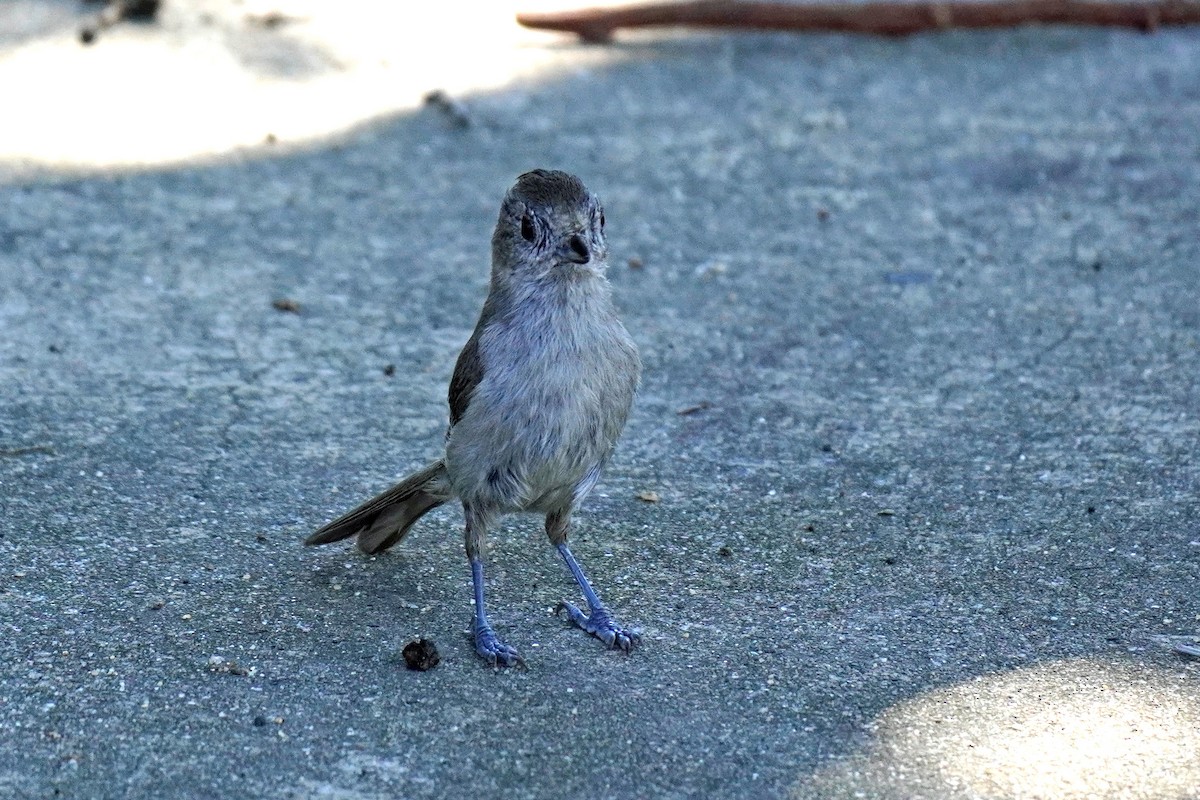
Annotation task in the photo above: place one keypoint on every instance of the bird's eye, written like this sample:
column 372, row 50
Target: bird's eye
column 528, row 232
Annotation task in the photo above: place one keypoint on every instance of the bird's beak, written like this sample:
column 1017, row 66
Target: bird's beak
column 576, row 250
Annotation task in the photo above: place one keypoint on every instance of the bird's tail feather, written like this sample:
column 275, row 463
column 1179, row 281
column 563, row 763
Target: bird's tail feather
column 382, row 521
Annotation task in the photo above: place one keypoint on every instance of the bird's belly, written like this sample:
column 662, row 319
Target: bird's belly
column 543, row 420
column 530, row 456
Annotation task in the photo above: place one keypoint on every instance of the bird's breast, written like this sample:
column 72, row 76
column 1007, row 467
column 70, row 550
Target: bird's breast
column 552, row 402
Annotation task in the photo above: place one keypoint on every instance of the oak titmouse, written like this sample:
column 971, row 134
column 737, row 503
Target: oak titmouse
column 539, row 396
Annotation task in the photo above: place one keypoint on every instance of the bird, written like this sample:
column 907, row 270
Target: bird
column 538, row 399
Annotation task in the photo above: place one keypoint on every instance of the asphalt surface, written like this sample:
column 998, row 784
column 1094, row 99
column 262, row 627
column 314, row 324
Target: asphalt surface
column 921, row 412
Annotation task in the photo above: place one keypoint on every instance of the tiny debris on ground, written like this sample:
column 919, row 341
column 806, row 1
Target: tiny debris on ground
column 1185, row 649
column 116, row 10
column 454, row 111
column 703, row 405
column 271, row 19
column 24, row 451
column 421, row 655
column 219, row 665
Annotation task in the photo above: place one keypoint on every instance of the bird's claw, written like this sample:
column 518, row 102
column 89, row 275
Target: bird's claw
column 601, row 625
column 494, row 651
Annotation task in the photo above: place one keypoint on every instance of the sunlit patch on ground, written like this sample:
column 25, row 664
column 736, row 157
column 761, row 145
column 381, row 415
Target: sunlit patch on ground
column 208, row 77
column 1067, row 730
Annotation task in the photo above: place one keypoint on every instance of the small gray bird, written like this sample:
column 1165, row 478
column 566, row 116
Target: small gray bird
column 539, row 396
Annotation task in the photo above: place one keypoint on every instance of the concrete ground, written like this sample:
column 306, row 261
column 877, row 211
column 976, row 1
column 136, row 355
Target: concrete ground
column 921, row 411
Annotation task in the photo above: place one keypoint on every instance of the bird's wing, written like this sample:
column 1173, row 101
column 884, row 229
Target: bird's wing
column 468, row 372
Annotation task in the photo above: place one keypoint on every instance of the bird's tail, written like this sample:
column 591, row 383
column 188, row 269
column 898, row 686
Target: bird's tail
column 382, row 521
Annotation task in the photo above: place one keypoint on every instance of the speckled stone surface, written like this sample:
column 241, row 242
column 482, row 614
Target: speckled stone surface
column 921, row 411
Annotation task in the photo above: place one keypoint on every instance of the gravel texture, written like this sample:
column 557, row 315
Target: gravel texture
column 910, row 489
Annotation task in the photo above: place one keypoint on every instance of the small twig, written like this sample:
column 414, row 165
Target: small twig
column 271, row 19
column 25, row 451
column 452, row 110
column 695, row 408
column 879, row 18
column 115, row 11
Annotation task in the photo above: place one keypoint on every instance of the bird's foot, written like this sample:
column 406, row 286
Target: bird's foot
column 601, row 625
column 495, row 652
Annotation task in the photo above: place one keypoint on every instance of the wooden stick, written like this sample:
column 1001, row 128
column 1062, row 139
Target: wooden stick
column 880, row 18
column 116, row 10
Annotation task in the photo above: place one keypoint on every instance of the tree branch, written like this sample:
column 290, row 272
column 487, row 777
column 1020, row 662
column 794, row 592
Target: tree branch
column 880, row 18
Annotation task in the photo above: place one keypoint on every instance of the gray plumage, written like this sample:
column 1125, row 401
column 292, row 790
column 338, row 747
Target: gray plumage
column 539, row 396
column 382, row 521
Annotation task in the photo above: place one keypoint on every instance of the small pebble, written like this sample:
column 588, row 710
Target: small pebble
column 421, row 655
column 453, row 111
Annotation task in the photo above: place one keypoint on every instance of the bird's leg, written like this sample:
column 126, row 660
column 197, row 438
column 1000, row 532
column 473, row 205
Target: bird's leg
column 598, row 622
column 487, row 644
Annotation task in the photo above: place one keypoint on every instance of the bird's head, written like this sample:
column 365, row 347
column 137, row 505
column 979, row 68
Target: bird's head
column 550, row 226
